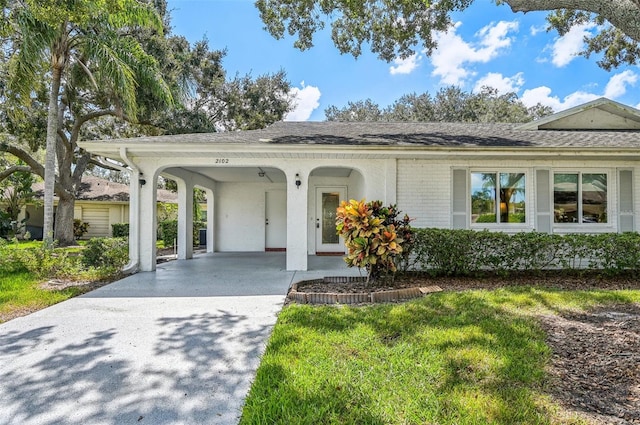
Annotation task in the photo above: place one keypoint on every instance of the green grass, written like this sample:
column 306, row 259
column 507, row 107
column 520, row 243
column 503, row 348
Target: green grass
column 475, row 357
column 22, row 244
column 24, row 266
column 20, row 292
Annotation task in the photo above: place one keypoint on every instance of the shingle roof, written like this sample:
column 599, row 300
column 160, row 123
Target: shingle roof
column 97, row 189
column 454, row 135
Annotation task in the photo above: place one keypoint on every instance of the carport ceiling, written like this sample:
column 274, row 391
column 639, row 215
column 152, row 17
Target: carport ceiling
column 252, row 174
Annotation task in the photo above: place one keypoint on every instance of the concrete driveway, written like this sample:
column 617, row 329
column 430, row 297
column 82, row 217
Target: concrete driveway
column 178, row 346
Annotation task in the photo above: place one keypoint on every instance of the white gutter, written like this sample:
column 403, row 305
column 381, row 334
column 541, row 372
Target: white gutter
column 134, row 215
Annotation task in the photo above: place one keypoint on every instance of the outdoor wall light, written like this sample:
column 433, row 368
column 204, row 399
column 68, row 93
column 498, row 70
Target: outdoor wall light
column 142, row 180
column 298, row 182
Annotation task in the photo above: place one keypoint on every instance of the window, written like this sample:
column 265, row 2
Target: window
column 580, row 198
column 498, row 198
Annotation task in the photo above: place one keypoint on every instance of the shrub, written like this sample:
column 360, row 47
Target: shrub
column 79, row 228
column 120, row 230
column 47, row 263
column 469, row 252
column 373, row 235
column 169, row 232
column 106, row 253
column 10, row 259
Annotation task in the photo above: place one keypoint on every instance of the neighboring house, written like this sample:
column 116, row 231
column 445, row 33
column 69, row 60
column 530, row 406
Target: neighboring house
column 99, row 202
column 278, row 188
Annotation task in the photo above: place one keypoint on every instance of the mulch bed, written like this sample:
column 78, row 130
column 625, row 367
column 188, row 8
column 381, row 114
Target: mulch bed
column 595, row 365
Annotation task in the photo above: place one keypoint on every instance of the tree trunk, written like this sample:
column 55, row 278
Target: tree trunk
column 50, row 158
column 64, row 221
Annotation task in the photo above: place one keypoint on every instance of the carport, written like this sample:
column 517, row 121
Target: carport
column 266, row 190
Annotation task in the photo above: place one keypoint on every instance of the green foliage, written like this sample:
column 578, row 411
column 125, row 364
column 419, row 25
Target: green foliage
column 469, row 252
column 374, row 237
column 450, row 104
column 611, row 45
column 15, row 193
column 80, row 228
column 120, row 230
column 169, row 232
column 197, row 225
column 106, row 253
column 376, row 24
column 46, row 263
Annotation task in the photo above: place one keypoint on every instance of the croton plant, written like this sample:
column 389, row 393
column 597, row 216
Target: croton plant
column 376, row 240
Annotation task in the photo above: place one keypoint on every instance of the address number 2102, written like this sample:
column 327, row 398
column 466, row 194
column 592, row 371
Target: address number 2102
column 222, row 160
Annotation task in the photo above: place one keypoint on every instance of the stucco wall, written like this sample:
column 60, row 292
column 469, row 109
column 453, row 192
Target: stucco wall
column 240, row 216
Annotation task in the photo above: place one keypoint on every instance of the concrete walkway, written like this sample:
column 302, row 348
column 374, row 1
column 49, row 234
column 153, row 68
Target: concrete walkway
column 178, row 346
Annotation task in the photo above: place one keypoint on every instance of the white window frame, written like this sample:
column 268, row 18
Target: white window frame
column 499, row 225
column 580, row 224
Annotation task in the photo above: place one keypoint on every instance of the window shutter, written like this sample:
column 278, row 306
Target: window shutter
column 544, row 217
column 460, row 195
column 625, row 201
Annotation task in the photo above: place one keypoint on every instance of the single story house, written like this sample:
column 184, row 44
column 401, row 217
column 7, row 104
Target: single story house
column 99, row 202
column 278, row 188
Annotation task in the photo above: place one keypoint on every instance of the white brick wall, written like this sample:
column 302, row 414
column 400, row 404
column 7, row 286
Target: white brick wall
column 424, row 192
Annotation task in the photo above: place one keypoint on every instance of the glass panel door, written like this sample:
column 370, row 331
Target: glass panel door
column 327, row 202
column 330, row 203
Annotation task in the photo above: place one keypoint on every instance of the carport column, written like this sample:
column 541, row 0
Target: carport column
column 185, row 219
column 210, row 219
column 297, row 219
column 148, row 222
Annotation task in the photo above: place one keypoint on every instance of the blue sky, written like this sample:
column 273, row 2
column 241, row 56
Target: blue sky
column 489, row 45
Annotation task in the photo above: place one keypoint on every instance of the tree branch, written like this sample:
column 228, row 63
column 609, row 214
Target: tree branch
column 622, row 14
column 64, row 138
column 14, row 168
column 34, row 166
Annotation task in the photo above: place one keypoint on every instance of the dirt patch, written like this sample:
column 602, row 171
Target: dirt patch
column 84, row 286
column 595, row 367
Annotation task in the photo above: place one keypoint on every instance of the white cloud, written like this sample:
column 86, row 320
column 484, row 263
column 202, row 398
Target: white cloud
column 453, row 52
column 405, row 66
column 616, row 87
column 533, row 30
column 501, row 83
column 306, row 101
column 542, row 95
column 565, row 48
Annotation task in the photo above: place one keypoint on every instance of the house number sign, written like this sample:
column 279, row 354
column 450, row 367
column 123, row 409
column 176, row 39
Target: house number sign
column 222, row 160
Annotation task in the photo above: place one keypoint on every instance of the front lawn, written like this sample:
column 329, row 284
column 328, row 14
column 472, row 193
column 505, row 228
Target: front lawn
column 21, row 293
column 32, row 278
column 472, row 357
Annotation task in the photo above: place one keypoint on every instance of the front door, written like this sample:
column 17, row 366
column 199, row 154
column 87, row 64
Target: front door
column 327, row 201
column 276, row 220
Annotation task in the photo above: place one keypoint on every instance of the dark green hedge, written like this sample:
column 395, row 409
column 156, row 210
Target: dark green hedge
column 120, row 230
column 469, row 252
column 169, row 232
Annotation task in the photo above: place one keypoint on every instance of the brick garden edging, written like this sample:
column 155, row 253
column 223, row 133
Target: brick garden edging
column 354, row 298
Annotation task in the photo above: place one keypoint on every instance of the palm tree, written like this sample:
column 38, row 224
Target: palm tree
column 89, row 37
